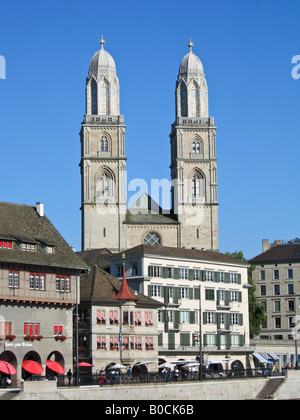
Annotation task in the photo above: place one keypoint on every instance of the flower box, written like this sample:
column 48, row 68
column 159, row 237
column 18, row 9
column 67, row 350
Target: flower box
column 10, row 337
column 60, row 338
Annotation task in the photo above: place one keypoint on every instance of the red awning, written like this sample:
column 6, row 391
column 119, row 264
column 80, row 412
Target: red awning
column 32, row 367
column 7, row 368
column 56, row 367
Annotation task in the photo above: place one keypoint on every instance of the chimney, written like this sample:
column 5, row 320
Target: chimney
column 40, row 209
column 265, row 245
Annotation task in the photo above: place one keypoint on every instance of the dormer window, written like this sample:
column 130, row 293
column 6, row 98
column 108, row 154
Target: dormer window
column 28, row 247
column 50, row 249
column 5, row 244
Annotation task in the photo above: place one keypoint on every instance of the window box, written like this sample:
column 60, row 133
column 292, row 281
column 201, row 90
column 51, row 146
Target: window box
column 60, row 338
column 10, row 337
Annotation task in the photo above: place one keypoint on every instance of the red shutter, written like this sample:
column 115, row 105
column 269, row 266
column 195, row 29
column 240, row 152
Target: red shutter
column 36, row 329
column 60, row 329
column 25, row 329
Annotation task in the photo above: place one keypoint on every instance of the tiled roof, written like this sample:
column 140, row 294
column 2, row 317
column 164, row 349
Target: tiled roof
column 279, row 253
column 99, row 287
column 179, row 253
column 21, row 223
column 96, row 257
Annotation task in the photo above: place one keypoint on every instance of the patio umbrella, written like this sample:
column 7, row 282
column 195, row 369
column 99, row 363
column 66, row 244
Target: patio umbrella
column 192, row 364
column 56, row 367
column 117, row 366
column 7, row 368
column 183, row 362
column 166, row 365
column 84, row 364
column 32, row 367
column 145, row 363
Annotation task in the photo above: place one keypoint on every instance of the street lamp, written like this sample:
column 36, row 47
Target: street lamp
column 296, row 334
column 200, row 336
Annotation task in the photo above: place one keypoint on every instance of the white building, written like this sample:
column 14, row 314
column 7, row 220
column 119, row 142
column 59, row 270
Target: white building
column 189, row 281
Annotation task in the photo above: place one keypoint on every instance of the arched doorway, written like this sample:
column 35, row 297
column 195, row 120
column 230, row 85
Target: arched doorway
column 237, row 367
column 8, row 356
column 35, row 357
column 57, row 357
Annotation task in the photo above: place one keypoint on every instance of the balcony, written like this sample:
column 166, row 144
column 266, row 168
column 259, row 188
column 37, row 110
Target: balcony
column 225, row 305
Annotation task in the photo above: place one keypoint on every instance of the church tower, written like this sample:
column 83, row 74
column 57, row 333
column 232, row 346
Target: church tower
column 103, row 158
column 193, row 159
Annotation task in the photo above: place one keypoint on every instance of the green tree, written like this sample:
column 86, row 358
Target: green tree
column 256, row 310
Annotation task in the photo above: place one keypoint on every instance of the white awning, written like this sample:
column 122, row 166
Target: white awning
column 260, row 357
column 274, row 356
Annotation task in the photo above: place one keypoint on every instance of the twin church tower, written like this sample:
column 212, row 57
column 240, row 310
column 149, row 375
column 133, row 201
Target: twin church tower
column 192, row 222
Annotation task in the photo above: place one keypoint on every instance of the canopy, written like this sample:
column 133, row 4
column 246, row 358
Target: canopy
column 117, row 366
column 191, row 364
column 32, row 367
column 56, row 367
column 7, row 368
column 183, row 362
column 260, row 357
column 146, row 363
column 166, row 365
column 274, row 356
column 84, row 364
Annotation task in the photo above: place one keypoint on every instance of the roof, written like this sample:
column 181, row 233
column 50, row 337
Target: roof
column 191, row 64
column 278, row 253
column 102, row 63
column 21, row 223
column 96, row 257
column 179, row 253
column 146, row 211
column 100, row 287
column 124, row 292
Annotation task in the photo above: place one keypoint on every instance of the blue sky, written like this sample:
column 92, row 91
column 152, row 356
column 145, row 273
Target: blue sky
column 246, row 47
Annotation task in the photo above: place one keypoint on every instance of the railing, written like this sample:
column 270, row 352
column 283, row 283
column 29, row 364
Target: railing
column 163, row 377
column 86, row 379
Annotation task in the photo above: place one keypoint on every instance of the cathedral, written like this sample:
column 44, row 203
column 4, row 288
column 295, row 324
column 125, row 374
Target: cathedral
column 107, row 222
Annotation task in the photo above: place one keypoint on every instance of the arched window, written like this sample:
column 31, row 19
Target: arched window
column 94, row 97
column 152, row 238
column 183, row 100
column 105, row 188
column 197, row 147
column 198, row 185
column 104, row 144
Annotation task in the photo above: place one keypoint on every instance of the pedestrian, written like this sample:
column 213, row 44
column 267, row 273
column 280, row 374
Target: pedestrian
column 129, row 374
column 69, row 376
column 102, row 377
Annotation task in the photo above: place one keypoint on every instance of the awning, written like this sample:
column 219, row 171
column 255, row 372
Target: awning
column 32, row 367
column 260, row 357
column 117, row 366
column 7, row 368
column 274, row 356
column 56, row 367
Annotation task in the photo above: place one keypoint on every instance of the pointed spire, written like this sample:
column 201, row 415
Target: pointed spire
column 102, row 42
column 190, row 45
column 124, row 292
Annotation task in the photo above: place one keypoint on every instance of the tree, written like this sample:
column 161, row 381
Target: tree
column 256, row 310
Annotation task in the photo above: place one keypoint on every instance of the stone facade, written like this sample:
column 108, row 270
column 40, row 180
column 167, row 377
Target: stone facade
column 192, row 221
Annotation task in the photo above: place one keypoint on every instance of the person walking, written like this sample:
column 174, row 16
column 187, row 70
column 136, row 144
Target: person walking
column 69, row 376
